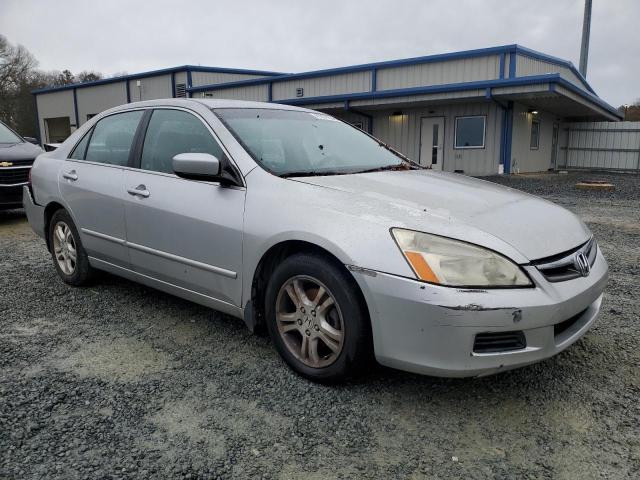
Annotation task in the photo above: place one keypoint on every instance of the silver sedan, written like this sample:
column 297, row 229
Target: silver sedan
column 341, row 248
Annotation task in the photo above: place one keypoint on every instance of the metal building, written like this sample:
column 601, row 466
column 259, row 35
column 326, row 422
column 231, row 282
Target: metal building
column 481, row 112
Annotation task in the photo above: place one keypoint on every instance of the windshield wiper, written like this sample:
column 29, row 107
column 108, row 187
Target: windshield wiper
column 311, row 173
column 396, row 167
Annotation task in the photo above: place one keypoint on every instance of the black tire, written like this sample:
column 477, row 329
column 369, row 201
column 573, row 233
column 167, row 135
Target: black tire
column 82, row 272
column 356, row 351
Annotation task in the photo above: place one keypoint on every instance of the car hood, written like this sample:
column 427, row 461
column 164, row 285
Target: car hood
column 533, row 226
column 18, row 151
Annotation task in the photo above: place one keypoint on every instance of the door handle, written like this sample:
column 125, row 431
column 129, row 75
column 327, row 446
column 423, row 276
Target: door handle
column 139, row 191
column 70, row 175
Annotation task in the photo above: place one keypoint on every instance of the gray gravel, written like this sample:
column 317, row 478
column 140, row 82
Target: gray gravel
column 121, row 381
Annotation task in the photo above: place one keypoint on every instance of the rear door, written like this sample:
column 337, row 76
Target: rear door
column 92, row 184
column 184, row 232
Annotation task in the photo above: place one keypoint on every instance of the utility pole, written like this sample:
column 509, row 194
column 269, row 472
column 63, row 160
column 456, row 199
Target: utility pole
column 586, row 30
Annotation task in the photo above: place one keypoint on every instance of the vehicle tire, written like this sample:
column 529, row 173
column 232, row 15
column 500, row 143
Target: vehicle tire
column 317, row 319
column 69, row 256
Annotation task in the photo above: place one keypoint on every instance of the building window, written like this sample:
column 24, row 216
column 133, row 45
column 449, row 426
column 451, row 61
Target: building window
column 535, row 134
column 469, row 132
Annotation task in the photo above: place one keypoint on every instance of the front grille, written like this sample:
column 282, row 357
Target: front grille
column 13, row 176
column 19, row 163
column 564, row 266
column 560, row 328
column 496, row 342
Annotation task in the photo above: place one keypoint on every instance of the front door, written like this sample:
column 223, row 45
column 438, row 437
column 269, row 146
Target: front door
column 92, row 184
column 187, row 233
column 432, row 142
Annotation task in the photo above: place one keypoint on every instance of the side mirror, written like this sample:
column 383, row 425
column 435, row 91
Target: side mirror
column 32, row 140
column 197, row 166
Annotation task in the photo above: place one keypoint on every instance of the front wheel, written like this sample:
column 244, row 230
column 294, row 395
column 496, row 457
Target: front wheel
column 316, row 318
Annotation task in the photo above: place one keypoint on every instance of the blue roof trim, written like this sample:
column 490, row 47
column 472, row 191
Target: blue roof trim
column 513, row 50
column 589, row 96
column 551, row 78
column 153, row 73
column 75, row 107
column 481, row 52
column 449, row 87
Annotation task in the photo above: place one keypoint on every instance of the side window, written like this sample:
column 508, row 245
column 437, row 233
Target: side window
column 535, row 135
column 112, row 138
column 171, row 132
column 469, row 132
column 81, row 148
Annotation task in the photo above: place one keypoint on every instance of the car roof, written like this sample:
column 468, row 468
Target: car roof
column 209, row 103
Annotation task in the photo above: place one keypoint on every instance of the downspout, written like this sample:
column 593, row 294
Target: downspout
column 506, row 131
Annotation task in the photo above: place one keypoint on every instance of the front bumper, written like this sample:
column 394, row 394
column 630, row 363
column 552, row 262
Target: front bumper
column 431, row 330
column 10, row 196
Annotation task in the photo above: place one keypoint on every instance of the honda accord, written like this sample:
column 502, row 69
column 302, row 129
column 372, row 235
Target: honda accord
column 340, row 247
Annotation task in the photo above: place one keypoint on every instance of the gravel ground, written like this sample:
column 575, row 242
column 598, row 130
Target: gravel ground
column 121, row 381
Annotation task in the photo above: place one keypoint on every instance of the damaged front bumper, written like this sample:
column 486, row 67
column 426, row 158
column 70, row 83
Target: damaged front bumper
column 439, row 331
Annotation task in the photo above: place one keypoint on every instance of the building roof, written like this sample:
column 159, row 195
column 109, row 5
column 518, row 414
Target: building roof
column 579, row 87
column 153, row 73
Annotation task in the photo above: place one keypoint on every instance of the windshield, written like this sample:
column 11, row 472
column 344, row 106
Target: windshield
column 7, row 136
column 294, row 143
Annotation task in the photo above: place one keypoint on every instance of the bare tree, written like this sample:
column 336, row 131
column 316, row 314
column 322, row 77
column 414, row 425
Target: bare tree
column 16, row 64
column 631, row 112
column 19, row 77
column 89, row 76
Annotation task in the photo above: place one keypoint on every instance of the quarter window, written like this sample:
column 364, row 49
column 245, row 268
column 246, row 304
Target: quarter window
column 171, row 132
column 535, row 135
column 112, row 138
column 469, row 132
column 81, row 148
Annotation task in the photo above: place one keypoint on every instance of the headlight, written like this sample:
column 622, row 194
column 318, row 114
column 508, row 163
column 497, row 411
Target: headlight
column 453, row 263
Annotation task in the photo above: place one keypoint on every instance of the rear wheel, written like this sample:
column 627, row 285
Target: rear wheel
column 69, row 257
column 316, row 318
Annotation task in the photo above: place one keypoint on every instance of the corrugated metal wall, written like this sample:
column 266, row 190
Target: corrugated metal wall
column 523, row 158
column 256, row 93
column 53, row 105
column 601, row 145
column 403, row 133
column 151, row 88
column 94, row 100
column 321, row 86
column 526, row 66
column 439, row 73
column 211, row 78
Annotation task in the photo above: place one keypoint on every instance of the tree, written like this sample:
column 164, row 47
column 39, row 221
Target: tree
column 19, row 77
column 65, row 78
column 631, row 112
column 88, row 76
column 16, row 65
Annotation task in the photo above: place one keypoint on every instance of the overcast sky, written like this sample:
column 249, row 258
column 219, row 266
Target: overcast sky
column 299, row 35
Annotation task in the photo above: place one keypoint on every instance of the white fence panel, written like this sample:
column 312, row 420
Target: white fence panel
column 601, row 145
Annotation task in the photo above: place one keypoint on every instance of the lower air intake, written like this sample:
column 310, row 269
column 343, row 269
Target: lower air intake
column 496, row 342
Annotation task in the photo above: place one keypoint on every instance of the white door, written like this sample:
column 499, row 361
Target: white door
column 432, row 142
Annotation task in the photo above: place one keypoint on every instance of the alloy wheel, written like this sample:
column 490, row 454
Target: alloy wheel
column 64, row 248
column 309, row 321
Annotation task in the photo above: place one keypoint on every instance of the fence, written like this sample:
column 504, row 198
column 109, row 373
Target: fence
column 600, row 145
